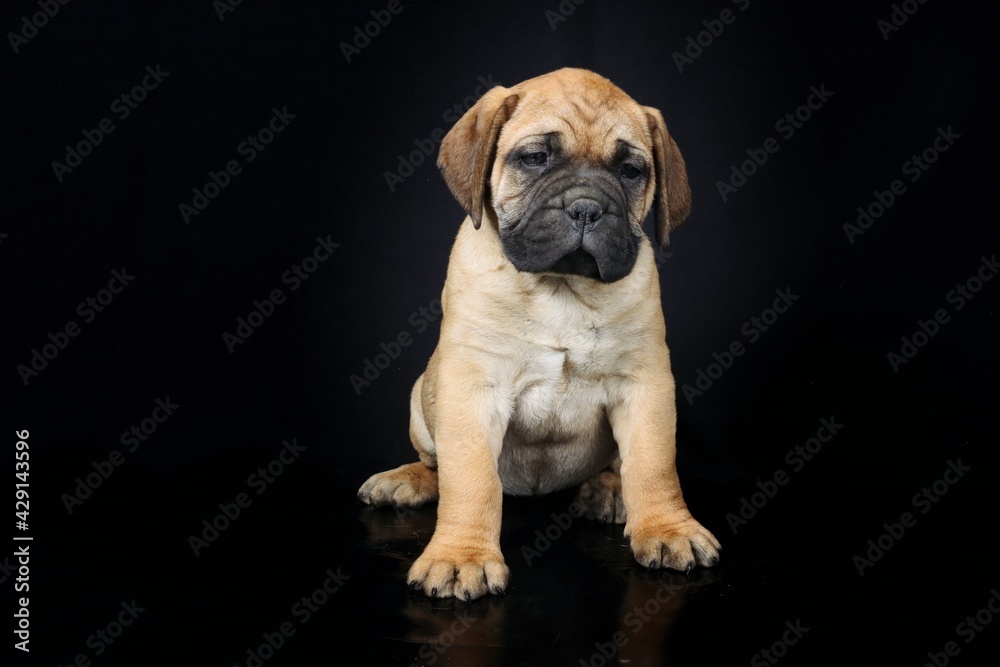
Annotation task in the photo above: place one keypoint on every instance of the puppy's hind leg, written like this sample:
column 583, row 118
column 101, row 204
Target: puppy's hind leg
column 601, row 496
column 411, row 484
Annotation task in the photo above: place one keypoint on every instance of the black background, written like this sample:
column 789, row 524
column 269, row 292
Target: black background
column 324, row 177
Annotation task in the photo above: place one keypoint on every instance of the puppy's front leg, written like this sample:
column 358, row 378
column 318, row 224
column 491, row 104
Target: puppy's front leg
column 463, row 558
column 644, row 421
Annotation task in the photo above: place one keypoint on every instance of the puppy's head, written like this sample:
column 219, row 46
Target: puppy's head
column 567, row 166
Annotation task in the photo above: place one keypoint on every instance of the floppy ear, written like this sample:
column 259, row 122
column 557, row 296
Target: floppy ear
column 469, row 149
column 672, row 201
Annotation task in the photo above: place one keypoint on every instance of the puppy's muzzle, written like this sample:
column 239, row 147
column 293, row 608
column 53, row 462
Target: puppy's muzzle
column 576, row 224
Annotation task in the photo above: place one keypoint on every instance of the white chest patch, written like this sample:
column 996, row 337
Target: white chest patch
column 558, row 433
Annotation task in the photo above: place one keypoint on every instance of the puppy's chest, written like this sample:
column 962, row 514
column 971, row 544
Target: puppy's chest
column 562, row 384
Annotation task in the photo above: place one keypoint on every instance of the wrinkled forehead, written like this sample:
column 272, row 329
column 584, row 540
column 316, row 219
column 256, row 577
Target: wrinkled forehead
column 590, row 121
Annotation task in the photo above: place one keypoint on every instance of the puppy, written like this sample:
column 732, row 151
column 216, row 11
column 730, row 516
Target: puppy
column 552, row 368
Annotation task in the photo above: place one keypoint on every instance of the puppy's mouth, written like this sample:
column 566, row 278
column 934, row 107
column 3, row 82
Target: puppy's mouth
column 578, row 262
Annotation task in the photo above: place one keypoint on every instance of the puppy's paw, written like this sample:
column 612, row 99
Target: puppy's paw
column 601, row 498
column 409, row 485
column 463, row 572
column 677, row 543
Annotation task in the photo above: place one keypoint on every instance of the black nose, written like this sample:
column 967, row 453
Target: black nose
column 584, row 212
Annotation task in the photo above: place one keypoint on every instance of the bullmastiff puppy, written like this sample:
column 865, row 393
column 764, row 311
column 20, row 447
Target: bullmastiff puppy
column 552, row 368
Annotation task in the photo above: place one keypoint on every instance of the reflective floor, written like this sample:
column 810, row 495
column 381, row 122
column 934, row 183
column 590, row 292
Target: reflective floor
column 307, row 577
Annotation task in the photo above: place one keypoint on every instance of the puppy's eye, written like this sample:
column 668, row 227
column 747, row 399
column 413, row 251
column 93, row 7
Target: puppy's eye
column 630, row 171
column 537, row 159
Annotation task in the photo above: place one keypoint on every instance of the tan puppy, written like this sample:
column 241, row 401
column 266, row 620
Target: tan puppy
column 552, row 368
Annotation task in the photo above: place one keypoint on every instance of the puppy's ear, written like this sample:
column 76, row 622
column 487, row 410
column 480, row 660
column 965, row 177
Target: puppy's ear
column 469, row 149
column 672, row 201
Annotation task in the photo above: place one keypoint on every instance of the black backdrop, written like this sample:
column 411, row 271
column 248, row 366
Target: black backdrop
column 226, row 71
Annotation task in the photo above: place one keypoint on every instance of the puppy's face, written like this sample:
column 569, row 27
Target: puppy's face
column 570, row 190
column 570, row 167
